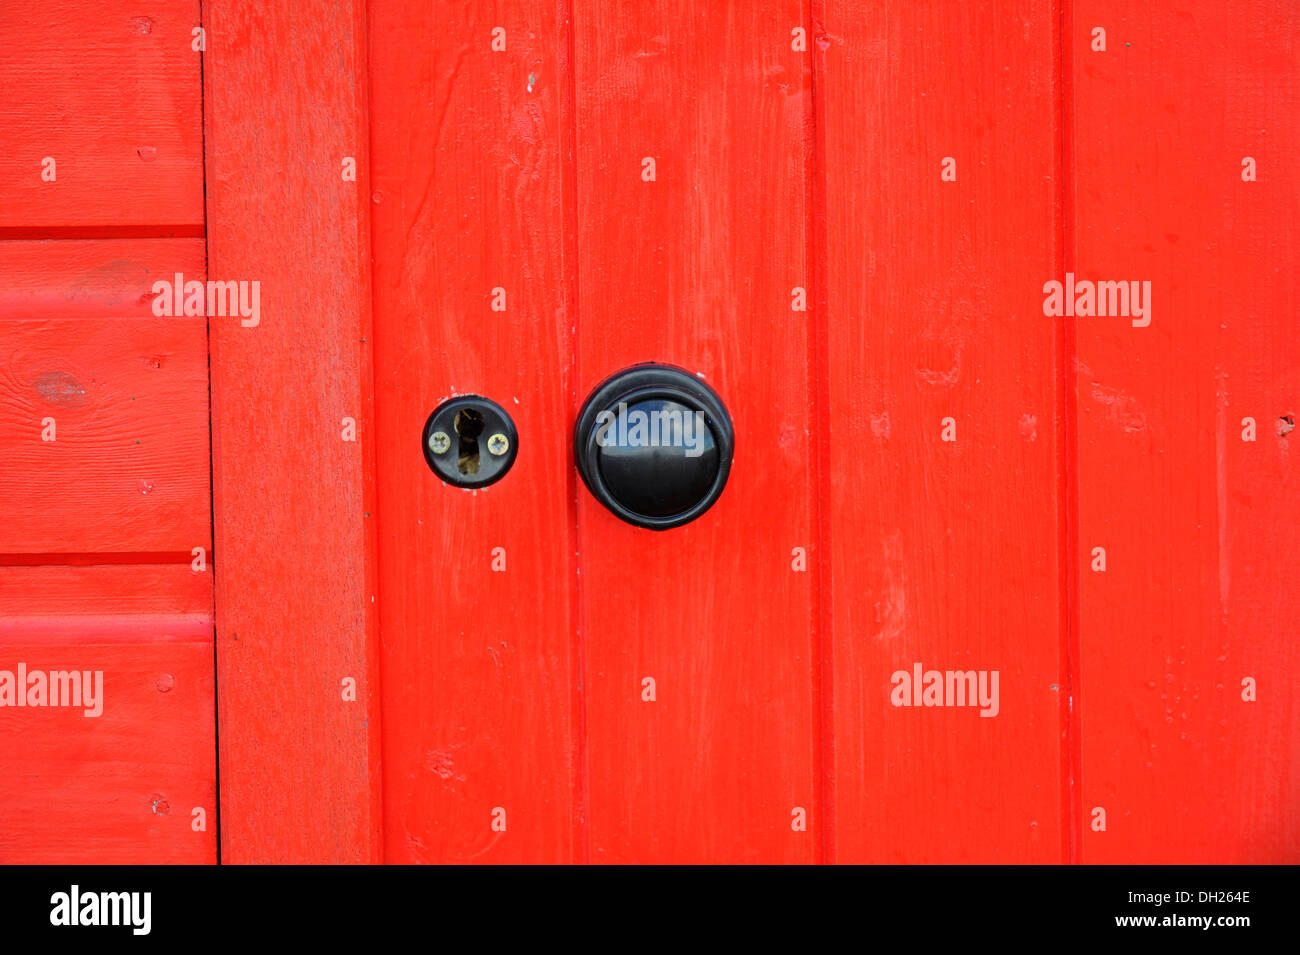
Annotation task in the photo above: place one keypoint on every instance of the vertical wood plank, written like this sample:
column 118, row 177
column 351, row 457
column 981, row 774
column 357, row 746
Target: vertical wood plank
column 696, row 268
column 285, row 105
column 1197, row 592
column 944, row 553
column 480, row 760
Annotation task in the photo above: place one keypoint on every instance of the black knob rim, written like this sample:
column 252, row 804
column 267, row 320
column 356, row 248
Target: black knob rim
column 645, row 382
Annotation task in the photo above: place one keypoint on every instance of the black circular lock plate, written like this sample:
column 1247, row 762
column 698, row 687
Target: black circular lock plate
column 653, row 443
column 470, row 441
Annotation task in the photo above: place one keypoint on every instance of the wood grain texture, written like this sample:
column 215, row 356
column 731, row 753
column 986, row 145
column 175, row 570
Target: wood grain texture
column 104, row 446
column 120, row 787
column 127, row 468
column 1201, row 554
column 293, row 499
column 100, row 589
column 823, row 169
column 480, row 686
column 943, row 552
column 696, row 269
column 110, row 91
column 71, row 278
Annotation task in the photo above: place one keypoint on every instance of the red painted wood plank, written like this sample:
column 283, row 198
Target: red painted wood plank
column 696, row 268
column 71, row 278
column 102, row 590
column 476, row 608
column 103, row 406
column 127, row 470
column 109, row 91
column 293, row 495
column 135, row 781
column 944, row 553
column 103, row 426
column 1197, row 594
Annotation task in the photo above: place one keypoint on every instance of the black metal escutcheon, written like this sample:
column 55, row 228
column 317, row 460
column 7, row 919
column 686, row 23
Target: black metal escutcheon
column 470, row 441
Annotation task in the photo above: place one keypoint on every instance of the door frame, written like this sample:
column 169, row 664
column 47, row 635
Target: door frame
column 293, row 481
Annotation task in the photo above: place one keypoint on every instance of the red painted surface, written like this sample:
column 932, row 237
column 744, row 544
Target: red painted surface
column 925, row 460
column 110, row 91
column 121, row 787
column 1198, row 592
column 479, row 667
column 942, row 552
column 823, row 169
column 293, row 496
column 130, row 783
column 128, row 468
column 696, row 269
column 104, row 449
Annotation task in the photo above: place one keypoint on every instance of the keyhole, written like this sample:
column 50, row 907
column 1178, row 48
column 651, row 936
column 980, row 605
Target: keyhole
column 469, row 441
column 469, row 425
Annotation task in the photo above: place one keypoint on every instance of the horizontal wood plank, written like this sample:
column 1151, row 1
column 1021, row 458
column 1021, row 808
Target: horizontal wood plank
column 104, row 436
column 91, row 278
column 127, row 471
column 100, row 589
column 109, row 91
column 122, row 786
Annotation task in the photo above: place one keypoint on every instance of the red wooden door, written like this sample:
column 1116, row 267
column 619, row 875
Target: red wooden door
column 1001, row 572
column 889, row 640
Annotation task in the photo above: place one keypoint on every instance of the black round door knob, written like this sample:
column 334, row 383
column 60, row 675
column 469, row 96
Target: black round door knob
column 653, row 444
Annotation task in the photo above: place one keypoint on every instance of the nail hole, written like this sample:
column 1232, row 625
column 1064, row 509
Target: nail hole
column 1285, row 425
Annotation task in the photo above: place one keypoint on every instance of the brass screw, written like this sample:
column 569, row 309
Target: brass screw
column 498, row 444
column 439, row 443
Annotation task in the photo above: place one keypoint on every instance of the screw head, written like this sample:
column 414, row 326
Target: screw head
column 498, row 444
column 439, row 442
